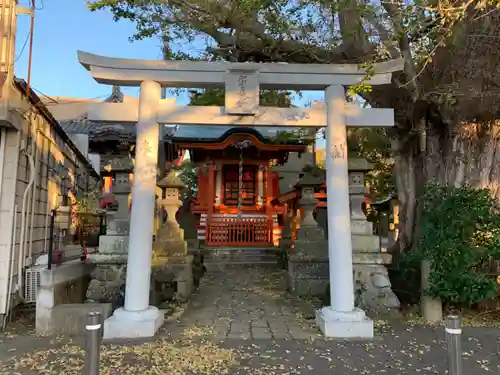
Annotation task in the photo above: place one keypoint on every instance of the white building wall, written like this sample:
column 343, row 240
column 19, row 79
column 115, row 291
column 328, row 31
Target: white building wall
column 56, row 165
column 7, row 203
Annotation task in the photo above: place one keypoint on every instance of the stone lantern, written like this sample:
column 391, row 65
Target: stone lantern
column 170, row 239
column 373, row 287
column 308, row 263
column 358, row 167
column 308, row 184
column 170, row 262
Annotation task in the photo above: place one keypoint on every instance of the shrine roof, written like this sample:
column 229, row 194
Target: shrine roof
column 219, row 133
column 174, row 133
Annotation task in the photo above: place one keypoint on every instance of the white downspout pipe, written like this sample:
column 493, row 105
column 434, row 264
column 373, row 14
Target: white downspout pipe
column 29, row 198
column 3, row 135
column 9, row 272
column 29, row 260
column 20, row 264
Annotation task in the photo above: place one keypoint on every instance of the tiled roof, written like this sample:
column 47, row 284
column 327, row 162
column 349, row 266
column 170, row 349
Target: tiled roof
column 202, row 133
column 84, row 126
column 78, row 127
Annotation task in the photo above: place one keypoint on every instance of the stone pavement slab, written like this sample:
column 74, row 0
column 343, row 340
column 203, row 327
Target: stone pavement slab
column 253, row 302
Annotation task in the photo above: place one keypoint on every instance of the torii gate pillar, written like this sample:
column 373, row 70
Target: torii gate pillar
column 137, row 318
column 342, row 319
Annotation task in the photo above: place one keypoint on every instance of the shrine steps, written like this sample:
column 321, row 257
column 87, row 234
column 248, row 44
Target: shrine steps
column 222, row 257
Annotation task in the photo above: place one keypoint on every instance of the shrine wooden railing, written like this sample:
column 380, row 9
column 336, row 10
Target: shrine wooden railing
column 234, row 231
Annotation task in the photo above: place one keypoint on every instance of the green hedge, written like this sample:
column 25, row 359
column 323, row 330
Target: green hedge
column 460, row 235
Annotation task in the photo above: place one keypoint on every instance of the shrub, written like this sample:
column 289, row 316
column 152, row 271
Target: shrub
column 460, row 235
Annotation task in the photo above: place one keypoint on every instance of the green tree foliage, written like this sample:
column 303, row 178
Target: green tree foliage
column 459, row 235
column 374, row 145
column 268, row 98
column 188, row 173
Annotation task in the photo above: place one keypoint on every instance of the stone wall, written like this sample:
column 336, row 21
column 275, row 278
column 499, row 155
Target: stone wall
column 107, row 284
column 173, row 282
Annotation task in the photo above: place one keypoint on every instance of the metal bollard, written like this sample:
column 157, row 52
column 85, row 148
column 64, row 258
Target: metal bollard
column 453, row 340
column 92, row 343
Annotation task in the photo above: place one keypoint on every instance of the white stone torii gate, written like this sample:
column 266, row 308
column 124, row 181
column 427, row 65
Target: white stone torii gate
column 242, row 82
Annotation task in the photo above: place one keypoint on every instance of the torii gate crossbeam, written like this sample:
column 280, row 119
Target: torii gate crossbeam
column 242, row 83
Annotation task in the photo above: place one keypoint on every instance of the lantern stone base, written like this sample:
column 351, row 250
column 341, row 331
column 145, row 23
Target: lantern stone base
column 170, row 241
column 133, row 324
column 308, row 268
column 107, row 284
column 171, row 271
column 344, row 325
column 308, row 277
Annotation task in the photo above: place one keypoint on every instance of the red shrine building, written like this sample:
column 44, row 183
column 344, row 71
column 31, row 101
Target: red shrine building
column 237, row 182
column 239, row 170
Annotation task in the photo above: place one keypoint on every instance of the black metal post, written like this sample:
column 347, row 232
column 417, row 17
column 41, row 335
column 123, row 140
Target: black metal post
column 51, row 238
column 92, row 343
column 453, row 332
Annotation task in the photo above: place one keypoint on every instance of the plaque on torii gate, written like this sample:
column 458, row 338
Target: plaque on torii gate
column 242, row 92
column 242, row 82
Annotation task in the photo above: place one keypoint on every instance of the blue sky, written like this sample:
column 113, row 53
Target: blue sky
column 64, row 26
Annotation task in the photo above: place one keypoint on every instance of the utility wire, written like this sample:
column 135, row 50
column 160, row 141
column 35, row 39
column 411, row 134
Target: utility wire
column 22, row 49
column 56, row 102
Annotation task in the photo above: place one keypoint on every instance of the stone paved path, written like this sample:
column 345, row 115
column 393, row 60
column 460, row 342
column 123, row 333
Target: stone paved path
column 248, row 303
column 243, row 323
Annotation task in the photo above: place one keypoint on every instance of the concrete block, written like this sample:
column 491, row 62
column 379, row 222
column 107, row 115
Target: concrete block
column 361, row 227
column 70, row 319
column 113, row 244
column 365, row 243
column 133, row 324
column 65, row 284
column 342, row 325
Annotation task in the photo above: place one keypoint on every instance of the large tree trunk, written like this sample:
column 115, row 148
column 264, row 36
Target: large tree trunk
column 469, row 154
column 447, row 130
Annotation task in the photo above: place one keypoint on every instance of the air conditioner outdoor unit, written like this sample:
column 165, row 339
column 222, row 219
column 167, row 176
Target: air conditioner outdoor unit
column 31, row 284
